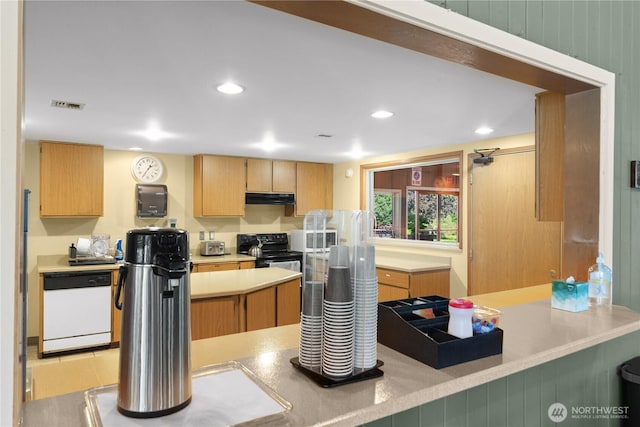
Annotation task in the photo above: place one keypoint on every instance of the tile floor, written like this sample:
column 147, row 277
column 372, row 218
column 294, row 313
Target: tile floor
column 52, row 376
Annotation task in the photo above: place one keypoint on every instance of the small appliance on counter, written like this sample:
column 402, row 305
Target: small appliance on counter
column 155, row 346
column 212, row 248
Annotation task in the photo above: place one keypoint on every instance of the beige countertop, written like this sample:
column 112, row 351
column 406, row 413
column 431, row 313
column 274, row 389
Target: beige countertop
column 534, row 333
column 407, row 262
column 60, row 263
column 238, row 282
column 411, row 262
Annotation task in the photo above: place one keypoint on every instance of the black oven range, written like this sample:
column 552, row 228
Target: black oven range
column 275, row 250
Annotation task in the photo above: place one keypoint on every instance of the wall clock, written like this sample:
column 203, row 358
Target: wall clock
column 147, row 168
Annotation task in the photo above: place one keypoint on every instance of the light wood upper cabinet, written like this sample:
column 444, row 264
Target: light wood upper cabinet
column 550, row 148
column 314, row 188
column 265, row 176
column 218, row 186
column 71, row 179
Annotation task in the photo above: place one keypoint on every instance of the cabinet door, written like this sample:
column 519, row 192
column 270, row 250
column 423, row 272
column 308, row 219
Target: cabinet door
column 71, row 179
column 247, row 264
column 314, row 187
column 425, row 283
column 284, row 176
column 219, row 185
column 550, row 125
column 391, row 293
column 288, row 303
column 116, row 315
column 259, row 175
column 261, row 309
column 213, row 317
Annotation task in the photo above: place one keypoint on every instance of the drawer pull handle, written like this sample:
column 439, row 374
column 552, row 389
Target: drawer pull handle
column 387, row 275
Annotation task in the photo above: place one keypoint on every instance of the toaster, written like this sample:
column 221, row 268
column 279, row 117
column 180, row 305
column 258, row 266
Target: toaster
column 211, row 248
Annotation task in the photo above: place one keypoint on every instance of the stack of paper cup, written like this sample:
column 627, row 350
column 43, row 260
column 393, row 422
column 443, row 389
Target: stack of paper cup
column 310, row 350
column 338, row 324
column 365, row 291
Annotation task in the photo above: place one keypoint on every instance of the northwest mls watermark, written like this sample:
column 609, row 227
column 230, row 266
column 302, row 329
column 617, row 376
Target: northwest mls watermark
column 558, row 412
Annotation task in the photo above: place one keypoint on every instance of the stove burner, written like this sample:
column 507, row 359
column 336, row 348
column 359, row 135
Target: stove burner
column 275, row 248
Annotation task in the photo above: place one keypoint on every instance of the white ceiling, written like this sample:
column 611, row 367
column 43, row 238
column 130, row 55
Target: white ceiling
column 133, row 63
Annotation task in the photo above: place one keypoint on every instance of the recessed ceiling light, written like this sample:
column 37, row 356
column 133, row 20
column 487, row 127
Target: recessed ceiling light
column 483, row 130
column 135, row 148
column 230, row 88
column 153, row 132
column 381, row 114
column 269, row 143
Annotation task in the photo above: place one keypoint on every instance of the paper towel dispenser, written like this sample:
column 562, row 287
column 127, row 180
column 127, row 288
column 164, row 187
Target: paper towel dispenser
column 152, row 200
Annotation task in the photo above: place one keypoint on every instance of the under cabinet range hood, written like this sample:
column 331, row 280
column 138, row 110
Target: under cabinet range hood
column 269, row 199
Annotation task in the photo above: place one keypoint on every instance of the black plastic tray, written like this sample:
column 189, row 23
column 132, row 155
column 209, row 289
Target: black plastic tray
column 327, row 382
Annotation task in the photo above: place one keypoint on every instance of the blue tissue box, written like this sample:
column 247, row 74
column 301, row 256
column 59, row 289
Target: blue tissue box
column 570, row 296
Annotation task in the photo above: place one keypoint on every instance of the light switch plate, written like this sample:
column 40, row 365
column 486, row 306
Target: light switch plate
column 635, row 174
column 201, row 236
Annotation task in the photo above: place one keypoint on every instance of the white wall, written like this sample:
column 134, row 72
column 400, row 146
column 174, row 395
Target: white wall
column 52, row 236
column 346, row 195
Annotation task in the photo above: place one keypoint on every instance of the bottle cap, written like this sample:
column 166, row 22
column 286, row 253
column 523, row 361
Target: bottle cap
column 460, row 303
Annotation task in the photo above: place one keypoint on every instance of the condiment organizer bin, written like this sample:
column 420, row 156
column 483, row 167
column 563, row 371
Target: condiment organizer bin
column 426, row 339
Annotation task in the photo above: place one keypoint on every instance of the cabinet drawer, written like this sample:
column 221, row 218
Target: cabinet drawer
column 217, row 266
column 393, row 277
column 391, row 293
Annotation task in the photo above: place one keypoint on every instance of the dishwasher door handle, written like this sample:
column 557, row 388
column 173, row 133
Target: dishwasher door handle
column 122, row 276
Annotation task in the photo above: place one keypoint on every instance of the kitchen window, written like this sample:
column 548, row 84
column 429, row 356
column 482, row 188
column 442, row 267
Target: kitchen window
column 416, row 199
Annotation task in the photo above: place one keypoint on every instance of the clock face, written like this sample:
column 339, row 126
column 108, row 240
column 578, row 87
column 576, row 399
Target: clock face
column 147, row 168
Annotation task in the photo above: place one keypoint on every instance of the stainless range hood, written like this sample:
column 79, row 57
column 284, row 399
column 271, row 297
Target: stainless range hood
column 269, row 199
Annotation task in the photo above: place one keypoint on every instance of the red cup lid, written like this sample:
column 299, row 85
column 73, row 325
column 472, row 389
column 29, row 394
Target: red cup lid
column 460, row 303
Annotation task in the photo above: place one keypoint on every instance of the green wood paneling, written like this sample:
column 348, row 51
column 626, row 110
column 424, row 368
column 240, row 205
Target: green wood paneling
column 586, row 378
column 432, row 414
column 605, row 33
column 477, row 405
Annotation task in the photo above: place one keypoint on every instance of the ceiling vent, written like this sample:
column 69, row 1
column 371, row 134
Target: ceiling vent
column 67, row 104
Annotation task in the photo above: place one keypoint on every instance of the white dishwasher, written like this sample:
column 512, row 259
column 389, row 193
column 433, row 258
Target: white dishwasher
column 76, row 310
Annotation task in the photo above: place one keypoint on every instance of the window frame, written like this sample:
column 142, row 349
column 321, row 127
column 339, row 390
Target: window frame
column 367, row 191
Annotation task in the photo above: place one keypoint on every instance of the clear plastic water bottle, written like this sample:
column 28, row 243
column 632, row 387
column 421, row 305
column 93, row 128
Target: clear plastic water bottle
column 600, row 283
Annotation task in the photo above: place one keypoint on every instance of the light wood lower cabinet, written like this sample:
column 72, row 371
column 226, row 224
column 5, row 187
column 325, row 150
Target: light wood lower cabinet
column 261, row 309
column 116, row 315
column 288, row 303
column 277, row 305
column 213, row 317
column 391, row 293
column 395, row 284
